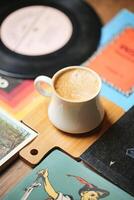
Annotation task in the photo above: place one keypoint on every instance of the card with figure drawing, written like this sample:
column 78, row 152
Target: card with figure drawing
column 14, row 135
column 60, row 177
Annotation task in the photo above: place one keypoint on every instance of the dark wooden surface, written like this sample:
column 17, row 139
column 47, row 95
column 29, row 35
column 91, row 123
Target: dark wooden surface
column 106, row 10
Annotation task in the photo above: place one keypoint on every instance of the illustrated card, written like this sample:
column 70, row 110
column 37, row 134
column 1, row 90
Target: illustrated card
column 115, row 62
column 112, row 155
column 14, row 135
column 60, row 177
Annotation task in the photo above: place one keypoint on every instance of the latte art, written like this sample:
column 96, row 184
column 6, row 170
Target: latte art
column 77, row 84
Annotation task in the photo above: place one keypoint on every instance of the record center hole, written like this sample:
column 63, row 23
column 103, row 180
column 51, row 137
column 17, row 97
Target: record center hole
column 34, row 152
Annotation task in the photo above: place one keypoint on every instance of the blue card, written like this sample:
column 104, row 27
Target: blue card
column 60, row 177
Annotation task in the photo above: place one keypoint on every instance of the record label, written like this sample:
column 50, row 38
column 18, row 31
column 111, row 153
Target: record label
column 36, row 30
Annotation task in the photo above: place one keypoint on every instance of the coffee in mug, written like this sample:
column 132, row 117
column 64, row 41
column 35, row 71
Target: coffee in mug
column 76, row 84
column 75, row 105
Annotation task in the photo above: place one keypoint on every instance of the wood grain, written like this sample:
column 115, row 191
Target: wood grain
column 50, row 137
column 15, row 172
column 107, row 9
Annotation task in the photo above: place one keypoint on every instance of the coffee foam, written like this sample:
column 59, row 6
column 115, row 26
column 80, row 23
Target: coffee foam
column 76, row 84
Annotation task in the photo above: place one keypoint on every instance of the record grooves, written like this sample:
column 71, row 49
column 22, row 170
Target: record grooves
column 82, row 43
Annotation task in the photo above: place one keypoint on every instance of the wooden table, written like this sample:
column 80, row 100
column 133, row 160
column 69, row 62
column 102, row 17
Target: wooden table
column 18, row 169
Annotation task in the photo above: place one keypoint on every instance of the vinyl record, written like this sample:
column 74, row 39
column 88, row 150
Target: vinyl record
column 43, row 36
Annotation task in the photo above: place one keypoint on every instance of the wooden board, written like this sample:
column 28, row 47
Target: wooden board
column 50, row 137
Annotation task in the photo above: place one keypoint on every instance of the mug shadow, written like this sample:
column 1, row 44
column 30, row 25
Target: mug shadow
column 100, row 129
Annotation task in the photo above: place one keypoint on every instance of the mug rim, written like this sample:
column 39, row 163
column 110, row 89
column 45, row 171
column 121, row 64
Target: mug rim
column 76, row 67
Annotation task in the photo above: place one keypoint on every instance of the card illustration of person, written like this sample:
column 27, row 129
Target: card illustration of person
column 88, row 191
column 60, row 177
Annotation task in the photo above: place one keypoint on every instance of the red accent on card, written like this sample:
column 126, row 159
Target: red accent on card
column 115, row 62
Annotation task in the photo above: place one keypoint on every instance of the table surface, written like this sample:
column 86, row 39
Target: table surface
column 18, row 169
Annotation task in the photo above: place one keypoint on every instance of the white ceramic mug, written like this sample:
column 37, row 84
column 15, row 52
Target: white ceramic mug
column 70, row 116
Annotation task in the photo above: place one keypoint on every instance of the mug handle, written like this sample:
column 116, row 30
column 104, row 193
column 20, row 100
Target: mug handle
column 41, row 90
